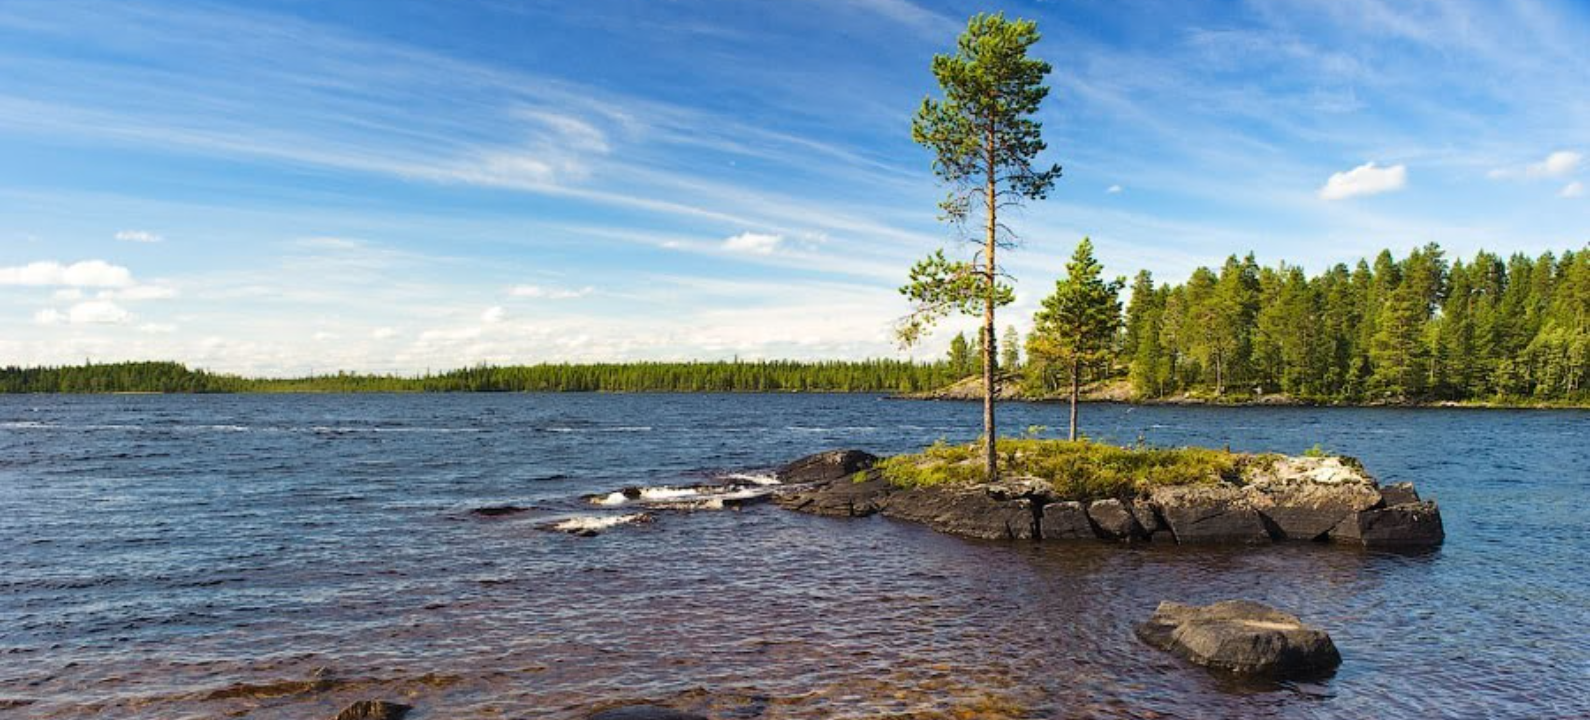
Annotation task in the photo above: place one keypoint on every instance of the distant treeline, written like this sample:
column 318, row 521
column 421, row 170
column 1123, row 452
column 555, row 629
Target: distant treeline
column 1418, row 329
column 770, row 376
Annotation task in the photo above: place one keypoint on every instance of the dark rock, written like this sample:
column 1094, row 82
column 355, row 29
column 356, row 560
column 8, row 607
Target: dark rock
column 1037, row 490
column 825, row 466
column 1209, row 514
column 1302, row 498
column 1241, row 636
column 1416, row 524
column 1114, row 520
column 1398, row 494
column 842, row 497
column 373, row 710
column 966, row 510
column 644, row 712
column 1147, row 518
column 1066, row 521
column 498, row 510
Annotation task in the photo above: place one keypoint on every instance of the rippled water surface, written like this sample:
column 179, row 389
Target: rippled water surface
column 278, row 557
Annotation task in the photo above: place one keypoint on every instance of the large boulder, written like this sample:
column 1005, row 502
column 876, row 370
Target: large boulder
column 374, row 710
column 1409, row 525
column 1241, row 636
column 966, row 510
column 841, row 497
column 1114, row 520
column 825, row 466
column 1066, row 521
column 1304, row 497
column 1209, row 513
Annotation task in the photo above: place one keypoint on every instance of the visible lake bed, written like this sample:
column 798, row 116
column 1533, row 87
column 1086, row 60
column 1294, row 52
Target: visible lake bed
column 281, row 556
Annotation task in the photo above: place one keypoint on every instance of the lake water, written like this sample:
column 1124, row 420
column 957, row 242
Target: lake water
column 278, row 557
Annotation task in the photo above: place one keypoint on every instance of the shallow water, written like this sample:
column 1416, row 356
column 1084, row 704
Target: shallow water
column 278, row 557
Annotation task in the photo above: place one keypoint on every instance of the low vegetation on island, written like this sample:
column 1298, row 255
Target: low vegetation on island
column 1076, row 469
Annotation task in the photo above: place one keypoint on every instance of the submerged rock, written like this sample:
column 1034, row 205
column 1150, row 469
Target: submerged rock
column 644, row 712
column 1241, row 636
column 1209, row 514
column 825, row 466
column 492, row 511
column 374, row 710
column 1413, row 524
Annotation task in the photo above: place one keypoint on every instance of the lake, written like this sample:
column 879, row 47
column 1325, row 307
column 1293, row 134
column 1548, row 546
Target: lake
column 280, row 556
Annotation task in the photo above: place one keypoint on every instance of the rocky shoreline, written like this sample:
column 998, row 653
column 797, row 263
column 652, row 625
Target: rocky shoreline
column 1313, row 499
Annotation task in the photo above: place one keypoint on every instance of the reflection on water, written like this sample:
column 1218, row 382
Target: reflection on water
column 280, row 557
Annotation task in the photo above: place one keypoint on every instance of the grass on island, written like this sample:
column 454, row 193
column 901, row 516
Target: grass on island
column 1079, row 470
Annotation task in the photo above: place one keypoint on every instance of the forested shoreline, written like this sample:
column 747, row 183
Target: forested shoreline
column 1413, row 331
column 883, row 376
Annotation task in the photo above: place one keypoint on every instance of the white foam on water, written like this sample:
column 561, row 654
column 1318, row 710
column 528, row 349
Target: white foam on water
column 612, row 498
column 594, row 523
column 668, row 493
column 753, row 478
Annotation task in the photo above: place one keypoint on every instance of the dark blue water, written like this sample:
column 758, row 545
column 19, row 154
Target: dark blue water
column 278, row 557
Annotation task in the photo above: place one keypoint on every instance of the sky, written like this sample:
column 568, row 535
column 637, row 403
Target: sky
column 280, row 187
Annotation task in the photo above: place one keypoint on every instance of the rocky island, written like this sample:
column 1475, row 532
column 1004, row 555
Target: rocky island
column 1075, row 491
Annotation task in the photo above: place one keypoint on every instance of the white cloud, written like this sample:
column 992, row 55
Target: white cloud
column 67, row 294
column 549, row 293
column 88, row 273
column 383, row 333
column 493, row 314
column 157, row 328
column 92, row 312
column 1557, row 164
column 1572, row 190
column 323, row 335
column 139, row 292
column 1366, row 179
column 754, row 243
column 139, row 236
column 1113, row 189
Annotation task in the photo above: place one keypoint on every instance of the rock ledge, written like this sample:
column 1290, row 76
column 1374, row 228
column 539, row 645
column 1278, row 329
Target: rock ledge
column 1293, row 498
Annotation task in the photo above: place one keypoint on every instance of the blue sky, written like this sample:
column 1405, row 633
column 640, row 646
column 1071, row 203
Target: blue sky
column 283, row 186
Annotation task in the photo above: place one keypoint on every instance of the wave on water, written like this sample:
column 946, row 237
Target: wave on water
column 615, row 428
column 814, row 429
column 695, row 497
column 591, row 524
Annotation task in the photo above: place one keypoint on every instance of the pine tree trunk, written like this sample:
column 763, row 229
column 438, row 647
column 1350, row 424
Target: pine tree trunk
column 1076, row 390
column 990, row 466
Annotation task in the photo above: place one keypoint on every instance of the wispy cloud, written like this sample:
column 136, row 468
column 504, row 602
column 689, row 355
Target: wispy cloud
column 1557, row 164
column 90, row 312
column 138, row 236
column 549, row 293
column 1572, row 190
column 753, row 243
